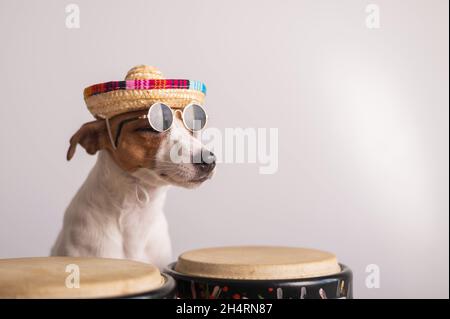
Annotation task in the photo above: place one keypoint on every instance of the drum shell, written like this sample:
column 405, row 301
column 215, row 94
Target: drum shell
column 336, row 286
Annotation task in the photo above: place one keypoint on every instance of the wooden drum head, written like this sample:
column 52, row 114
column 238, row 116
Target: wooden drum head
column 70, row 277
column 257, row 262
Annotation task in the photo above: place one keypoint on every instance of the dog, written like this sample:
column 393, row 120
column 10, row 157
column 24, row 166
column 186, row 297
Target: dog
column 118, row 211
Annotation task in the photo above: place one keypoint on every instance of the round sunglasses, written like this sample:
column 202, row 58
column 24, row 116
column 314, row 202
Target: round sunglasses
column 160, row 117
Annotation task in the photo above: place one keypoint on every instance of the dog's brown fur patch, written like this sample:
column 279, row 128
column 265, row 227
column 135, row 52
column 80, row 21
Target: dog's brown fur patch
column 137, row 145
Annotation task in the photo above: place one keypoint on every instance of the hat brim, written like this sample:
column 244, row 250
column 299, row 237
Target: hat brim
column 106, row 100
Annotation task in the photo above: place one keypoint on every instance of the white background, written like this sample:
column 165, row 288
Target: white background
column 362, row 117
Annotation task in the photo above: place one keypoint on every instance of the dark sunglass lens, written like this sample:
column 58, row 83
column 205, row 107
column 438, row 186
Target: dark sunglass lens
column 160, row 117
column 194, row 117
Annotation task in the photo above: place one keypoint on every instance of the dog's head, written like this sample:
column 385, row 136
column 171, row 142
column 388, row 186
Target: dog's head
column 175, row 156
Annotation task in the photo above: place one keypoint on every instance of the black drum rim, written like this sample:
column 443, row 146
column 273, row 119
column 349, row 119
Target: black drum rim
column 166, row 291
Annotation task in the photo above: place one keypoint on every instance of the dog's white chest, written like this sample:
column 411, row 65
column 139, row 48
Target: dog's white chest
column 147, row 239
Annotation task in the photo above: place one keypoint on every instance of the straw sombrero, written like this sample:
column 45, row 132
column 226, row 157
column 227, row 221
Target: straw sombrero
column 143, row 86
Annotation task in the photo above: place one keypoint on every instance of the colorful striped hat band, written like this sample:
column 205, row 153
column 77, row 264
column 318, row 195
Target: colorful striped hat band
column 142, row 87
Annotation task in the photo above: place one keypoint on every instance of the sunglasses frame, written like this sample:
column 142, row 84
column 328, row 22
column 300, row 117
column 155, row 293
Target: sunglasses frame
column 146, row 116
column 174, row 112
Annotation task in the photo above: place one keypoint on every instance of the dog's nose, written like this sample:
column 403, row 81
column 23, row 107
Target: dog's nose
column 207, row 162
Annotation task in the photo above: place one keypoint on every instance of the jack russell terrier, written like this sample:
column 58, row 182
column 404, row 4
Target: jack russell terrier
column 118, row 211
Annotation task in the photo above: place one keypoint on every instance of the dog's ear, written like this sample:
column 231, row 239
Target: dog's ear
column 91, row 136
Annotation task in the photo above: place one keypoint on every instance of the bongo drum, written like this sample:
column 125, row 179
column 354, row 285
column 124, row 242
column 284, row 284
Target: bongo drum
column 68, row 277
column 260, row 272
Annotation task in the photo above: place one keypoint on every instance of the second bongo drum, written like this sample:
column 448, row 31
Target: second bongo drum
column 260, row 272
